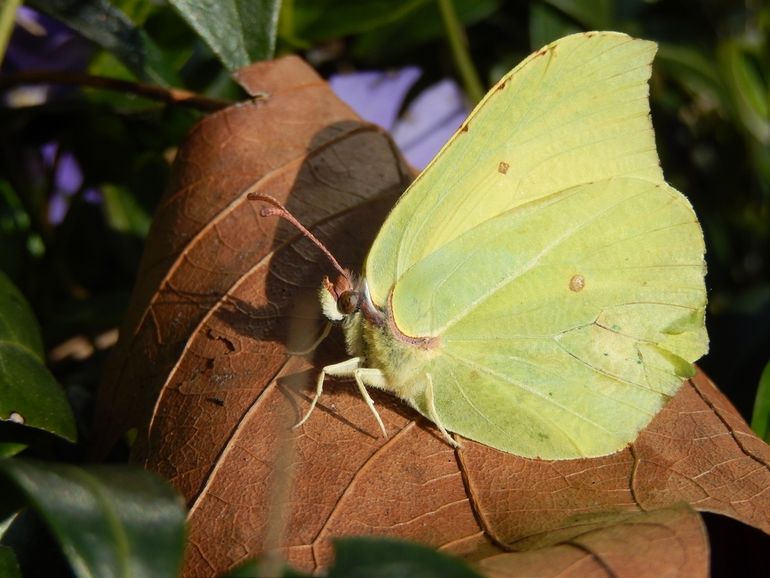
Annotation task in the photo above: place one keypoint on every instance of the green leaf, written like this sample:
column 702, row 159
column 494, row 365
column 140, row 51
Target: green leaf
column 388, row 558
column 9, row 567
column 747, row 89
column 107, row 26
column 17, row 322
column 29, row 394
column 110, row 521
column 760, row 417
column 314, row 20
column 547, row 24
column 124, row 214
column 238, row 31
column 693, row 69
column 323, row 19
column 9, row 449
column 136, row 10
column 413, row 28
column 593, row 14
column 7, row 18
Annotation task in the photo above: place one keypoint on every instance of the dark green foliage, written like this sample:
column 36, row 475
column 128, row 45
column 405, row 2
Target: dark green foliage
column 373, row 558
column 387, row 558
column 108, row 520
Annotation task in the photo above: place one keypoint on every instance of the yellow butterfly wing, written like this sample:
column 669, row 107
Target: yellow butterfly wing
column 575, row 112
column 564, row 325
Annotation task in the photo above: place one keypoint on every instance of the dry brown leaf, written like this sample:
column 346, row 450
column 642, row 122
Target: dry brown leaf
column 206, row 255
column 201, row 371
column 669, row 542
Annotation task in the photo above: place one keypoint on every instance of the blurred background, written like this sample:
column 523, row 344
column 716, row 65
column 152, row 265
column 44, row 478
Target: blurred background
column 89, row 127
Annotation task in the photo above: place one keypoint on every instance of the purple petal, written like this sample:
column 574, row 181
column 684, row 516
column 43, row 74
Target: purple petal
column 92, row 195
column 69, row 177
column 41, row 42
column 429, row 122
column 58, row 205
column 48, row 152
column 375, row 96
column 67, row 180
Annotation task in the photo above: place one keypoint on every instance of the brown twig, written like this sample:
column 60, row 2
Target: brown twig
column 168, row 95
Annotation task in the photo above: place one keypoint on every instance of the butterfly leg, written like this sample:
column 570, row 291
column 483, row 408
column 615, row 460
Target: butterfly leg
column 433, row 414
column 373, row 377
column 345, row 368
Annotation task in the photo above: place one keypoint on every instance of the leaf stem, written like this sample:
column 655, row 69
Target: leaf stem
column 458, row 43
column 760, row 418
column 168, row 95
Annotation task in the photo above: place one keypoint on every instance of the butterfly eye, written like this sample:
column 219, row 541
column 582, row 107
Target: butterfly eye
column 348, row 302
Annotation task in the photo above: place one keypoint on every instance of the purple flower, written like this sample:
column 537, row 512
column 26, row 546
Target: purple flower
column 42, row 43
column 39, row 42
column 67, row 180
column 375, row 96
column 429, row 120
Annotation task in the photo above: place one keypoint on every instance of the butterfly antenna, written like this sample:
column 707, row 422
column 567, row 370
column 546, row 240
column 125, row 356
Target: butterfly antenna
column 278, row 210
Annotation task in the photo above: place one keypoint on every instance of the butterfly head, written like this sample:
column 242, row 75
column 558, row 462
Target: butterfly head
column 347, row 296
column 339, row 299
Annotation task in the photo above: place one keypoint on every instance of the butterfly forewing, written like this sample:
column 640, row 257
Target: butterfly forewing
column 575, row 112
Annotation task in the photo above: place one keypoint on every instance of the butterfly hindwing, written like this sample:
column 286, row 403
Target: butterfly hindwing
column 536, row 363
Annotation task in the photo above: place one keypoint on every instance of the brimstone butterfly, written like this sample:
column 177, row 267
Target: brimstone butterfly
column 539, row 288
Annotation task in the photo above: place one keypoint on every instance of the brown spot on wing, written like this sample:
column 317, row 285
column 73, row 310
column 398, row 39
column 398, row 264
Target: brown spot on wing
column 503, row 167
column 577, row 283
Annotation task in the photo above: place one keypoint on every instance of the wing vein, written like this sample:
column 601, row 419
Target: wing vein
column 534, row 392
